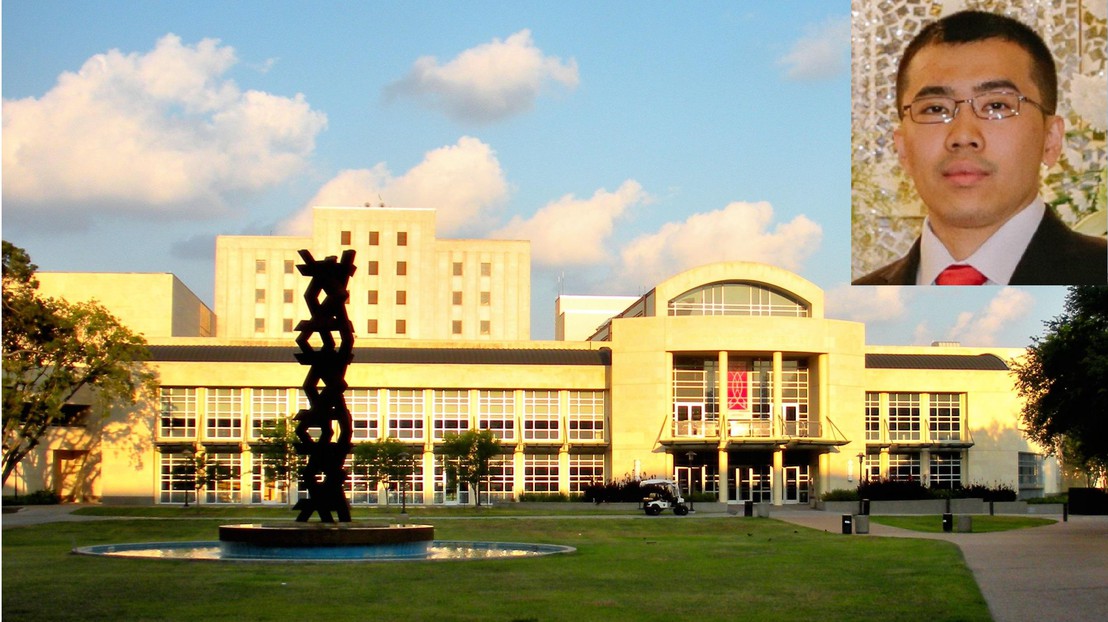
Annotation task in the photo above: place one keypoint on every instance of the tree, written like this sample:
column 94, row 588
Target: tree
column 468, row 457
column 54, row 349
column 383, row 461
column 198, row 473
column 1064, row 381
column 276, row 448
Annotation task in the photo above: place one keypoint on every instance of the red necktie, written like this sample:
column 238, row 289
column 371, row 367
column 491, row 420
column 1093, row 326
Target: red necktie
column 960, row 275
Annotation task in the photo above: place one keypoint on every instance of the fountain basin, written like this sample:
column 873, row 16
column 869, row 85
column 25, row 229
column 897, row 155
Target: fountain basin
column 310, row 540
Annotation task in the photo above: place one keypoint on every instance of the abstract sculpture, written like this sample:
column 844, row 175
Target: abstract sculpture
column 324, row 474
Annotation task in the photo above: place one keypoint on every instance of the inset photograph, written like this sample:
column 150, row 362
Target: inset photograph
column 978, row 142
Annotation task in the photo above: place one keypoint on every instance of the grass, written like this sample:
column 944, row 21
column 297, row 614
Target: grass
column 625, row 568
column 981, row 523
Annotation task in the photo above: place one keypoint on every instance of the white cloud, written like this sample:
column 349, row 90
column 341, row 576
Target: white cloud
column 739, row 232
column 823, row 52
column 161, row 133
column 572, row 231
column 487, row 83
column 463, row 182
column 866, row 304
column 981, row 329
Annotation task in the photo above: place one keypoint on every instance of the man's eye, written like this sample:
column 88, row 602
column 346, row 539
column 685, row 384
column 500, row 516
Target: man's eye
column 932, row 110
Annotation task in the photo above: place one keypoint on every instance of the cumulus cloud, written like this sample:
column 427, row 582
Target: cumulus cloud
column 823, row 52
column 738, row 232
column 487, row 83
column 981, row 328
column 162, row 133
column 572, row 231
column 866, row 304
column 464, row 182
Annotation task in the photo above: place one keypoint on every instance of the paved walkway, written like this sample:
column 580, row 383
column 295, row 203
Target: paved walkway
column 1057, row 572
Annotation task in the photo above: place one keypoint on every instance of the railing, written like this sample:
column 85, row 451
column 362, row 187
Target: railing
column 696, row 429
column 750, row 428
column 803, row 429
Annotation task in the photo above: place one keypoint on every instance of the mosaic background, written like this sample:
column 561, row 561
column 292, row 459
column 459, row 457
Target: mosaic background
column 886, row 213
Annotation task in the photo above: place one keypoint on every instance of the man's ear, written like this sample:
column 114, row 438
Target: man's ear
column 898, row 144
column 1053, row 140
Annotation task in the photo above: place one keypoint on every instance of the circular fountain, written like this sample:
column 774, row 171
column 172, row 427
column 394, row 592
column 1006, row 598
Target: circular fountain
column 343, row 541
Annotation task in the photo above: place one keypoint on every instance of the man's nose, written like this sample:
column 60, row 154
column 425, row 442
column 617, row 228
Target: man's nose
column 964, row 130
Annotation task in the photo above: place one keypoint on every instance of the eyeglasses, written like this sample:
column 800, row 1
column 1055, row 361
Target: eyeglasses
column 992, row 106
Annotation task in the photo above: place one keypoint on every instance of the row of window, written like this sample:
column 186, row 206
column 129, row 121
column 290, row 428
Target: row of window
column 403, row 414
column 539, row 473
column 373, row 327
column 903, row 421
column 457, row 268
column 944, row 468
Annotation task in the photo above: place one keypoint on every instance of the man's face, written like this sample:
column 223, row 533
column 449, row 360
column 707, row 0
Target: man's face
column 975, row 173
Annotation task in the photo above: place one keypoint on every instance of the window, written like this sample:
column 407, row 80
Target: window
column 904, row 467
column 267, row 407
column 259, row 266
column 401, row 238
column 259, row 295
column 540, row 416
column 259, row 324
column 794, row 396
column 540, row 473
column 374, row 238
column 290, row 296
column 406, row 414
column 175, row 479
column 946, row 469
column 486, row 328
column 695, row 406
column 500, row 483
column 456, row 298
column 456, row 327
column 371, row 327
column 286, row 325
column 873, row 416
column 401, row 327
column 873, row 467
column 401, row 297
column 344, row 238
column 359, row 487
column 401, row 268
column 738, row 299
column 586, row 415
column 457, row 268
column 224, row 417
column 496, row 413
column 904, row 424
column 486, row 299
column 178, row 413
column 1030, row 471
column 486, row 268
column 946, row 416
column 228, row 485
column 585, row 469
column 371, row 297
column 371, row 268
column 290, row 266
column 451, row 412
column 363, row 405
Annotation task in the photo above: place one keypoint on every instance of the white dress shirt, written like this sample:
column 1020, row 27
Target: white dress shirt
column 996, row 258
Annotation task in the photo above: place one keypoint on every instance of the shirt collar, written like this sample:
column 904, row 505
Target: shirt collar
column 994, row 258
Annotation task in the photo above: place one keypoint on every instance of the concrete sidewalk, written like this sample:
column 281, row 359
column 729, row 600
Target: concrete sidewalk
column 1057, row 572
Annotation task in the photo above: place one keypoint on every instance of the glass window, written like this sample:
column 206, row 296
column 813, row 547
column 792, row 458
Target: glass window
column 540, row 473
column 228, row 485
column 224, row 416
column 451, row 412
column 371, row 297
column 363, row 406
column 175, row 479
column 946, row 416
column 1030, row 470
column 540, row 416
column 287, row 325
column 259, row 266
column 586, row 415
column 401, row 327
column 904, row 467
column 456, row 298
column 401, row 238
column 946, row 469
column 374, row 238
column 585, row 469
column 371, row 327
column 259, row 324
column 290, row 296
column 290, row 266
column 344, row 238
column 496, row 412
column 457, row 268
column 371, row 268
column 486, row 299
column 178, row 413
column 873, row 416
column 486, row 327
column 401, row 268
column 259, row 295
column 904, row 421
column 406, row 414
column 456, row 327
column 738, row 299
column 267, row 407
column 401, row 297
column 486, row 268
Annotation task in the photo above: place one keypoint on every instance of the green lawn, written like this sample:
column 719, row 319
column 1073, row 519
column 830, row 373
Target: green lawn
column 626, row 568
column 981, row 523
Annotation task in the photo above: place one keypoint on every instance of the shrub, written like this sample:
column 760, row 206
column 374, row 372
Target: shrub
column 996, row 492
column 546, row 497
column 893, row 490
column 841, row 494
column 1062, row 498
column 39, row 497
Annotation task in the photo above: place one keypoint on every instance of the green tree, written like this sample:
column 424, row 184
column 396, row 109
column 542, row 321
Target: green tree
column 276, row 448
column 54, row 349
column 1063, row 380
column 383, row 461
column 468, row 457
column 199, row 472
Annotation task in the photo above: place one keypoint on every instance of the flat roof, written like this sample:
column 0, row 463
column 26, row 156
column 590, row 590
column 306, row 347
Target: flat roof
column 986, row 362
column 412, row 356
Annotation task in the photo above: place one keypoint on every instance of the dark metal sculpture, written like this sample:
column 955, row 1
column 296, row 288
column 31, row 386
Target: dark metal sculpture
column 324, row 474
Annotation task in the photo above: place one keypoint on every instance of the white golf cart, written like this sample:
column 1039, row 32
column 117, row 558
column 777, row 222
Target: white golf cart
column 662, row 494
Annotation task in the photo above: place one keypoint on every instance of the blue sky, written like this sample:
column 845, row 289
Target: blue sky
column 627, row 140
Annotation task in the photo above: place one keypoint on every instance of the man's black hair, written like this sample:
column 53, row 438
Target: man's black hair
column 974, row 26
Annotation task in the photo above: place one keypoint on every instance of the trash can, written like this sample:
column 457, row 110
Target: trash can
column 848, row 524
column 948, row 522
column 861, row 524
column 964, row 523
column 865, row 507
column 748, row 508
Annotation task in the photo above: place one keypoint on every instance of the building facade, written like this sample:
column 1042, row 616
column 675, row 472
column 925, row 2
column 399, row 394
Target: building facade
column 728, row 377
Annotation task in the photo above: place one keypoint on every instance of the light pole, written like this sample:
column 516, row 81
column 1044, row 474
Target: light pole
column 861, row 457
column 691, row 456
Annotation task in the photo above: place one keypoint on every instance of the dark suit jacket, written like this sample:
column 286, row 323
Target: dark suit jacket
column 1056, row 255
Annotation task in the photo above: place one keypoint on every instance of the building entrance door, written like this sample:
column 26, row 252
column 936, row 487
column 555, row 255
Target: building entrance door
column 755, row 483
column 690, row 479
column 688, row 419
column 797, row 484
